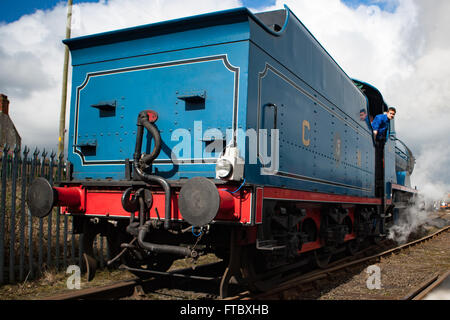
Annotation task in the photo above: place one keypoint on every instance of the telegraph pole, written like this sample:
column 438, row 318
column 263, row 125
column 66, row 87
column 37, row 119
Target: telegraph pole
column 62, row 116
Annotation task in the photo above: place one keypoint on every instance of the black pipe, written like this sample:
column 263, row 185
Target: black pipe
column 168, row 205
column 141, row 123
column 141, row 211
column 160, row 248
column 146, row 159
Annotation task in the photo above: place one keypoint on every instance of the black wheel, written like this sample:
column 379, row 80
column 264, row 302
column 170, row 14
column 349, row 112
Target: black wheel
column 254, row 267
column 376, row 240
column 352, row 247
column 90, row 261
column 322, row 257
column 152, row 262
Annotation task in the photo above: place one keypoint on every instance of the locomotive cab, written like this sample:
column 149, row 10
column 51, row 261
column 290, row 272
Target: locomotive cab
column 375, row 101
column 394, row 161
column 376, row 106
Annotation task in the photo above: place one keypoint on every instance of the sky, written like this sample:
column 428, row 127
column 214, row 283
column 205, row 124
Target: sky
column 12, row 10
column 399, row 46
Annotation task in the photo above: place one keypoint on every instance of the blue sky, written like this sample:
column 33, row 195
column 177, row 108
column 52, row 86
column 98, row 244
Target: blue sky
column 385, row 5
column 12, row 10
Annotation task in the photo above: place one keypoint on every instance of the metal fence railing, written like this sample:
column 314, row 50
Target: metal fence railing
column 30, row 245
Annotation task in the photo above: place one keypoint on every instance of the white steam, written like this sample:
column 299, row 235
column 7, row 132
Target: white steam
column 415, row 219
column 410, row 221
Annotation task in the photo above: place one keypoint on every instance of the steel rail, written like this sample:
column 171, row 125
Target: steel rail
column 127, row 287
column 321, row 274
column 115, row 290
column 424, row 285
column 427, row 287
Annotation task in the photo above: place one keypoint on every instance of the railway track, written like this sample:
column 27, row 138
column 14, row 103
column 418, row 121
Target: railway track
column 291, row 287
column 206, row 276
column 178, row 284
column 436, row 287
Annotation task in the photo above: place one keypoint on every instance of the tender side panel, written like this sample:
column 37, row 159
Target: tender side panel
column 321, row 148
column 187, row 89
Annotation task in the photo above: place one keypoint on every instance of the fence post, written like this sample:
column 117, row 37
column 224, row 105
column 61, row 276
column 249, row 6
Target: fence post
column 41, row 220
column 24, row 169
column 12, row 237
column 3, row 213
column 50, row 216
column 30, row 217
column 22, row 213
column 58, row 211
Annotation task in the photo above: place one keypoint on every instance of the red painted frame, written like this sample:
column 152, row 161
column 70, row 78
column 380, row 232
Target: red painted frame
column 311, row 202
column 107, row 203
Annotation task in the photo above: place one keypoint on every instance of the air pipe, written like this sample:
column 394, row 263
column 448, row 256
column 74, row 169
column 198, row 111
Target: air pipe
column 146, row 119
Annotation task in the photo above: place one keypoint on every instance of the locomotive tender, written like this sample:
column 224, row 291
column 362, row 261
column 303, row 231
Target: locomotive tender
column 230, row 132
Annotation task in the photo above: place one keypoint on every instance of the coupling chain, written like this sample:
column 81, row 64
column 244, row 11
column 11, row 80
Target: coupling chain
column 194, row 255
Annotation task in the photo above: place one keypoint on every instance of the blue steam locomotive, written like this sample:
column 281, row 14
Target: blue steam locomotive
column 234, row 126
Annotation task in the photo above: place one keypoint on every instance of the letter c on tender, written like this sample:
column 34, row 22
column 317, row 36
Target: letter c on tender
column 305, row 124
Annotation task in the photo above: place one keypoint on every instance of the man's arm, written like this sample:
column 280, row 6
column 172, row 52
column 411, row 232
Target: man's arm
column 375, row 126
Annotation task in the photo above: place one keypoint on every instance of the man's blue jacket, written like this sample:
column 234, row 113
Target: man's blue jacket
column 381, row 124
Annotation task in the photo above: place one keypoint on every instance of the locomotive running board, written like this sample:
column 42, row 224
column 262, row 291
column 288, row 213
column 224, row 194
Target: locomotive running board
column 269, row 245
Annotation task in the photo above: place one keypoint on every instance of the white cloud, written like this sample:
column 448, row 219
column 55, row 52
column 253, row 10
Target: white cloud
column 31, row 58
column 116, row 14
column 404, row 52
column 31, row 54
column 366, row 42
